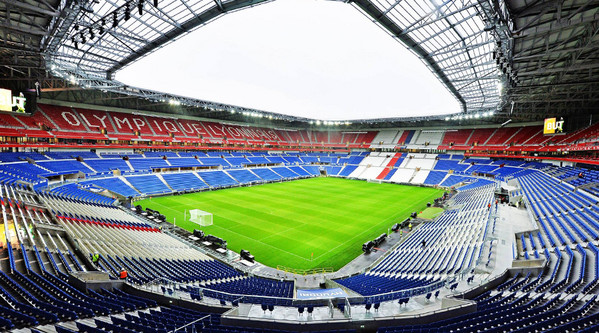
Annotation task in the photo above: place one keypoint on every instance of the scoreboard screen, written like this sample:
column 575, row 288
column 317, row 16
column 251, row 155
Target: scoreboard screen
column 553, row 126
column 19, row 102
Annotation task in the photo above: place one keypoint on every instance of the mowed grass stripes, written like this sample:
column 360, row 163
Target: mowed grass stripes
column 285, row 223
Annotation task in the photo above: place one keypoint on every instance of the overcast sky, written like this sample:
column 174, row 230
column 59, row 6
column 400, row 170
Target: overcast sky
column 309, row 58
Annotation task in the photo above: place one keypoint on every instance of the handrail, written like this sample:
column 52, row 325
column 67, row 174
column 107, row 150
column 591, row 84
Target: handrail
column 190, row 323
column 389, row 295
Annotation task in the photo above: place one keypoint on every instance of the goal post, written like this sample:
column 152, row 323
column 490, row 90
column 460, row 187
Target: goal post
column 200, row 217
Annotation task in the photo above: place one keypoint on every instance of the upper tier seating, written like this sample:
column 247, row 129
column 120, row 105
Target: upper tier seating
column 64, row 117
column 480, row 136
column 63, row 155
column 237, row 161
column 147, row 163
column 64, row 166
column 447, row 165
column 107, row 165
column 457, row 137
column 501, row 136
column 184, row 162
column 67, row 123
column 160, row 154
column 430, row 137
column 21, row 156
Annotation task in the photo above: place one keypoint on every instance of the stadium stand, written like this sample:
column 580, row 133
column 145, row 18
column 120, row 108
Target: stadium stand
column 566, row 216
column 512, row 246
column 217, row 178
column 149, row 184
column 108, row 164
column 65, row 166
column 244, row 176
column 266, row 174
column 115, row 184
column 183, row 181
column 460, row 251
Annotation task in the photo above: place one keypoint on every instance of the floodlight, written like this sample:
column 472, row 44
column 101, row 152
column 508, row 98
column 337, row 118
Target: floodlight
column 127, row 12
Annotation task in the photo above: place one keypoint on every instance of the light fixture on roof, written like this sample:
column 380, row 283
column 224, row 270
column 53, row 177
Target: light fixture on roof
column 102, row 24
column 140, row 7
column 127, row 12
column 83, row 40
column 91, row 33
column 115, row 19
column 489, row 28
column 156, row 3
column 76, row 47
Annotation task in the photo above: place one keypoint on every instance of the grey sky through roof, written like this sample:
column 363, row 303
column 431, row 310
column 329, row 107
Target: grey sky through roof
column 316, row 59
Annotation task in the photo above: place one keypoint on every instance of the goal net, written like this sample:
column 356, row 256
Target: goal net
column 200, row 217
column 377, row 181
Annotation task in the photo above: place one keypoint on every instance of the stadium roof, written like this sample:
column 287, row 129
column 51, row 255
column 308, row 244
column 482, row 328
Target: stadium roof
column 554, row 56
column 542, row 53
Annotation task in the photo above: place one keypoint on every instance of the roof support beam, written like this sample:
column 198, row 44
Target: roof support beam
column 29, row 31
column 371, row 10
column 202, row 18
column 31, row 8
column 415, row 27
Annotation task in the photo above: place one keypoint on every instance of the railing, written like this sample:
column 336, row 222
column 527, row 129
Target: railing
column 179, row 289
column 188, row 324
column 305, row 271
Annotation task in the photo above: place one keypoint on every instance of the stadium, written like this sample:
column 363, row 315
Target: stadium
column 126, row 209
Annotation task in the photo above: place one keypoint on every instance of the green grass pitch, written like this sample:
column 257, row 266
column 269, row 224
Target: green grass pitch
column 284, row 223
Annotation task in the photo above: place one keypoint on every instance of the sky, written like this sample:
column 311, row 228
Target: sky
column 309, row 58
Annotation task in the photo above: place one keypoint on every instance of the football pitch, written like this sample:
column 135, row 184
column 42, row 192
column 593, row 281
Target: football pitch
column 302, row 224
